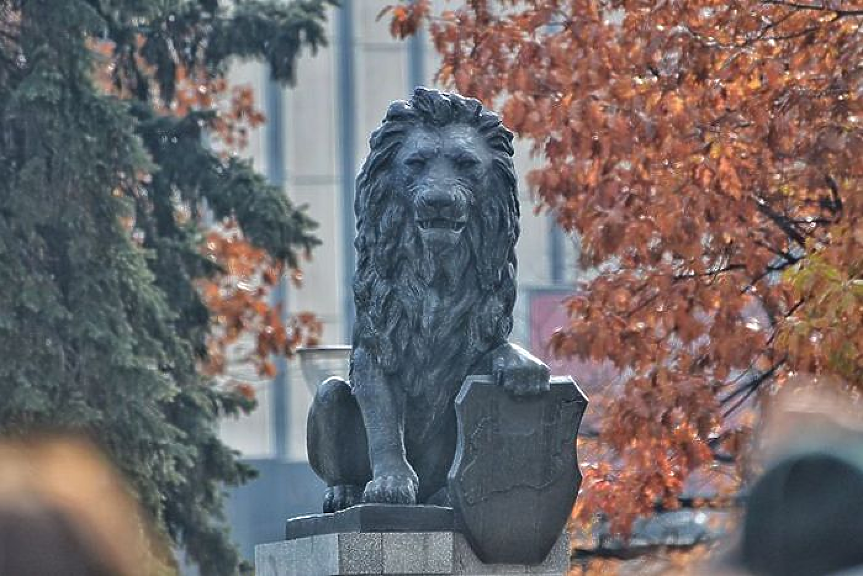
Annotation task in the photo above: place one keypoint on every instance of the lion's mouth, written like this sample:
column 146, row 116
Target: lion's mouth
column 441, row 224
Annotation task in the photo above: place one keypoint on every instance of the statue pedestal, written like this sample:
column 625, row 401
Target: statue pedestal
column 381, row 539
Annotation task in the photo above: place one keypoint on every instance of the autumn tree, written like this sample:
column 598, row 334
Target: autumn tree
column 708, row 155
column 106, row 321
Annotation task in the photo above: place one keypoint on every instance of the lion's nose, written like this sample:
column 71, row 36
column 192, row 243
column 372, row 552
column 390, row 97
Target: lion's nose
column 436, row 200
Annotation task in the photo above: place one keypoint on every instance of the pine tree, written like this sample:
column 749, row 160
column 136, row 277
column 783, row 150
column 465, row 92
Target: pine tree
column 101, row 327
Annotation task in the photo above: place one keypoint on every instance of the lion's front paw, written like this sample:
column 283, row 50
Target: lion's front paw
column 391, row 489
column 342, row 496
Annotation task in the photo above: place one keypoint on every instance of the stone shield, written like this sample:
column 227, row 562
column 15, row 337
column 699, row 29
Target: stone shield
column 515, row 475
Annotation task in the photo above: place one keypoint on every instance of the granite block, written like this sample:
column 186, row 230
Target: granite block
column 440, row 551
column 326, row 555
column 274, row 559
column 360, row 553
column 418, row 553
column 303, row 561
column 393, row 553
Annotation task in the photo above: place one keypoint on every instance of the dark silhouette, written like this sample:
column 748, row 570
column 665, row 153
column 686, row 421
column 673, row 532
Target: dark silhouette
column 805, row 514
column 437, row 223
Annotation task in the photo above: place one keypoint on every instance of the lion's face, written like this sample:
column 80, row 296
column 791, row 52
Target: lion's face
column 437, row 222
column 437, row 171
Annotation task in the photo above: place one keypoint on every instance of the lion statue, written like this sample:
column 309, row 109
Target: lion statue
column 437, row 222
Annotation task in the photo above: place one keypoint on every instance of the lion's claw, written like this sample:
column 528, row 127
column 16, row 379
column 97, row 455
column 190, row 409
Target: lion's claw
column 394, row 489
column 524, row 380
column 342, row 496
column 520, row 373
column 525, row 387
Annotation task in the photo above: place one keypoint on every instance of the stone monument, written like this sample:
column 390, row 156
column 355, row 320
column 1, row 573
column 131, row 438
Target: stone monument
column 450, row 450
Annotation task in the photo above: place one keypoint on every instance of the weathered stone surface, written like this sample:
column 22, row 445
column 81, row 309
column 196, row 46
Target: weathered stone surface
column 393, row 553
column 374, row 518
column 303, row 562
column 515, row 475
column 418, row 553
column 325, row 554
column 274, row 559
column 360, row 553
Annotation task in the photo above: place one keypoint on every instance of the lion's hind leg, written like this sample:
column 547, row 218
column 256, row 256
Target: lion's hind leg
column 337, row 446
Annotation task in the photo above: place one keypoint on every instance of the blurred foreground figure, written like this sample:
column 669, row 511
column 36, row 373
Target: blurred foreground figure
column 64, row 512
column 804, row 515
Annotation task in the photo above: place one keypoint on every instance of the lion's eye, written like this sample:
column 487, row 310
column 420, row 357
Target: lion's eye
column 415, row 162
column 467, row 162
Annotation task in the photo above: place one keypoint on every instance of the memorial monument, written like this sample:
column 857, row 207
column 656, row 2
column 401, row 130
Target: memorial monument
column 450, row 450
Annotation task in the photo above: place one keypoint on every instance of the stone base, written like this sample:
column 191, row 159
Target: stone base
column 375, row 518
column 403, row 553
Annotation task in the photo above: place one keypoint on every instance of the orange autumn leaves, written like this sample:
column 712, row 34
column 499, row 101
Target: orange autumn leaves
column 194, row 90
column 236, row 114
column 707, row 153
column 239, row 296
column 239, row 301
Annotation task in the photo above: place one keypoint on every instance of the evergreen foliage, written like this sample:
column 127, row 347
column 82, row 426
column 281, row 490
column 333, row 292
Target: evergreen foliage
column 101, row 327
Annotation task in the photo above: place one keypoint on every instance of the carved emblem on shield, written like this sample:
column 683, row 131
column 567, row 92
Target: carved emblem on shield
column 515, row 475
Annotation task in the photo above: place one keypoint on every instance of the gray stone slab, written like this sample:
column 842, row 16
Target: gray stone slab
column 418, row 553
column 391, row 553
column 374, row 518
column 303, row 561
column 326, row 555
column 274, row 559
column 440, row 550
column 360, row 553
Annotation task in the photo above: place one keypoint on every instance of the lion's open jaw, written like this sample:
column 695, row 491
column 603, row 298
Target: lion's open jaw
column 442, row 224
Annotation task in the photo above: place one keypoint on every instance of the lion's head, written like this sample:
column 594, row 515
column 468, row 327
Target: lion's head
column 437, row 222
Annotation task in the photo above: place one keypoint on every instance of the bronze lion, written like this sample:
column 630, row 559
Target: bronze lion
column 437, row 222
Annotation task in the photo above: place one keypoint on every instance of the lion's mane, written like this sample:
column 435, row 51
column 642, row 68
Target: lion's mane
column 427, row 344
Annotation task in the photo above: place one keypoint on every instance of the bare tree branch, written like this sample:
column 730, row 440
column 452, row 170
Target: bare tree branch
column 817, row 7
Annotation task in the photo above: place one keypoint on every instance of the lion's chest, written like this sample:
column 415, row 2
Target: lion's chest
column 431, row 405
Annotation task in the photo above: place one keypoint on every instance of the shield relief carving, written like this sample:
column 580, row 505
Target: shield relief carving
column 515, row 475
